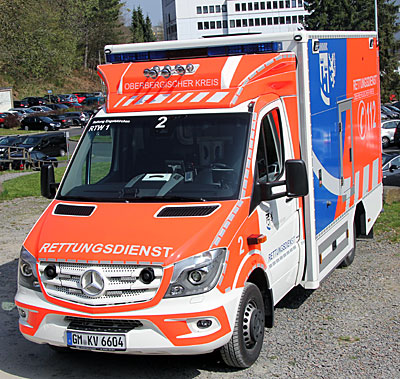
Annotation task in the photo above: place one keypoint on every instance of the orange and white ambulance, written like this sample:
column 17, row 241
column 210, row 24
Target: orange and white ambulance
column 220, row 174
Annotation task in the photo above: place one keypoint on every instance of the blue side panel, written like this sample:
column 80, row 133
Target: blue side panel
column 327, row 71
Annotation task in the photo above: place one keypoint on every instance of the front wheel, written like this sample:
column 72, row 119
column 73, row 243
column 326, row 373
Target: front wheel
column 385, row 142
column 247, row 339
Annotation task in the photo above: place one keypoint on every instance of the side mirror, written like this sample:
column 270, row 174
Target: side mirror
column 296, row 182
column 48, row 187
column 393, row 167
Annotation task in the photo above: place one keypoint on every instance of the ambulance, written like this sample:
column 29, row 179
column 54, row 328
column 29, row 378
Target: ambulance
column 220, row 174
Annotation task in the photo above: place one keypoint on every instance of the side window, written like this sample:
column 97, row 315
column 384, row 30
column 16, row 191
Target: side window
column 270, row 157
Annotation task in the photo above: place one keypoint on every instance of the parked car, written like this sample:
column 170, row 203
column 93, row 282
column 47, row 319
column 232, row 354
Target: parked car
column 78, row 118
column 396, row 136
column 391, row 170
column 393, row 109
column 95, row 100
column 9, row 141
column 9, row 119
column 34, row 100
column 68, row 98
column 65, row 121
column 82, row 96
column 24, row 111
column 53, row 144
column 388, row 113
column 21, row 104
column 33, row 160
column 41, row 108
column 388, row 128
column 39, row 123
column 57, row 107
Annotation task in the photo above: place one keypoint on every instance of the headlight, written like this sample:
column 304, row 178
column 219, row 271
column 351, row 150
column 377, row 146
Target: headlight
column 27, row 273
column 197, row 274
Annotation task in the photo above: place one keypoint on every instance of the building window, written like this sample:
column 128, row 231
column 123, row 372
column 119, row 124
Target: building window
column 251, row 22
column 263, row 21
column 281, row 20
column 211, row 8
column 269, row 20
column 276, row 20
column 205, row 9
column 218, row 8
column 238, row 23
column 219, row 24
column 237, row 7
column 294, row 3
column 232, row 23
column 243, row 7
column 212, row 25
column 244, row 23
column 288, row 20
column 275, row 4
column 294, row 19
column 250, row 6
column 206, row 25
column 281, row 4
column 225, row 24
column 200, row 26
column 287, row 3
column 224, row 9
column 256, row 6
column 257, row 21
column 300, row 2
column 262, row 5
column 301, row 19
column 198, row 10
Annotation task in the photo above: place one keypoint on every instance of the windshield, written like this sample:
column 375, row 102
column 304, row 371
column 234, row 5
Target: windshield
column 159, row 158
column 30, row 140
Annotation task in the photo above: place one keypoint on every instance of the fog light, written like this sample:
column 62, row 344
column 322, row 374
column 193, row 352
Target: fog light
column 50, row 271
column 147, row 275
column 22, row 313
column 177, row 290
column 204, row 324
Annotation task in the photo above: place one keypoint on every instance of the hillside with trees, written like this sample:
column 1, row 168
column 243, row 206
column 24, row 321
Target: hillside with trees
column 54, row 44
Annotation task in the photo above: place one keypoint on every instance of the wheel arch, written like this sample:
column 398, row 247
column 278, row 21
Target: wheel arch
column 360, row 220
column 259, row 278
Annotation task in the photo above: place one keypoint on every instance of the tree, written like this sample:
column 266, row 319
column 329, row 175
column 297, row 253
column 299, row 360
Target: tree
column 141, row 28
column 360, row 15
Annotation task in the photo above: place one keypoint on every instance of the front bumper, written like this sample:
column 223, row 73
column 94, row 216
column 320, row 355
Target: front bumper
column 170, row 327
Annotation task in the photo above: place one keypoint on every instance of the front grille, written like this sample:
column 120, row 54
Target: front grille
column 121, row 283
column 107, row 326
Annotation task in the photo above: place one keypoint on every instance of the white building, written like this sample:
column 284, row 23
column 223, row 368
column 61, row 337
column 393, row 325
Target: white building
column 187, row 19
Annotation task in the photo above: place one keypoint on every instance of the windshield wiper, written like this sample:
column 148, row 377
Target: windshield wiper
column 161, row 199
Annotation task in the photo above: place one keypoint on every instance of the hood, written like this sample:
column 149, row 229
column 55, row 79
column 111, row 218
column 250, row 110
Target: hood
column 118, row 232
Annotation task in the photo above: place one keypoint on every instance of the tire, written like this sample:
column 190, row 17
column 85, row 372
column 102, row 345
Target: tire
column 46, row 128
column 247, row 339
column 26, row 127
column 385, row 142
column 349, row 258
column 62, row 152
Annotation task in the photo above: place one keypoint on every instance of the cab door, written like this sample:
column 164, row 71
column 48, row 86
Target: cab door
column 279, row 219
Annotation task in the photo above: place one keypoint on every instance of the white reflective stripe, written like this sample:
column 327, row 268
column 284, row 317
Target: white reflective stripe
column 375, row 172
column 217, row 97
column 121, row 85
column 229, row 70
column 357, row 185
column 183, row 98
column 365, row 179
column 143, row 99
column 120, row 101
column 171, row 100
column 199, row 97
column 160, row 98
column 129, row 101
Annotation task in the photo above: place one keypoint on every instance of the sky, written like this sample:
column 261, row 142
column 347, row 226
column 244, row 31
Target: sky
column 152, row 8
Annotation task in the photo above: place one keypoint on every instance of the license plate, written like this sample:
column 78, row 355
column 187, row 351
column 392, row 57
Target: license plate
column 96, row 341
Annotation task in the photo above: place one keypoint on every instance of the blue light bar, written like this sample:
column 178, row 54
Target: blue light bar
column 217, row 51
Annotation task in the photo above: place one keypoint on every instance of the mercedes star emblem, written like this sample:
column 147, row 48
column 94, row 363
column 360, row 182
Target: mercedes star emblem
column 92, row 283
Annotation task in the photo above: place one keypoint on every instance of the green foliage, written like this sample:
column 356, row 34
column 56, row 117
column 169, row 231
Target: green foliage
column 141, row 28
column 360, row 15
column 388, row 224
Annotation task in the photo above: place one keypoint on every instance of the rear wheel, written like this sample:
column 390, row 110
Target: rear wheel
column 26, row 127
column 385, row 141
column 246, row 342
column 46, row 128
column 62, row 152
